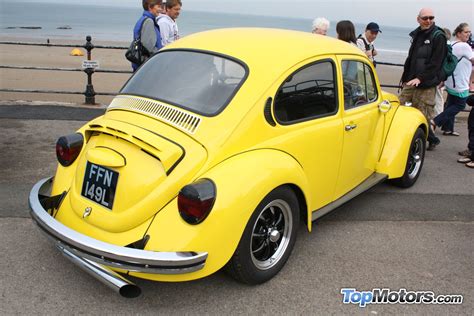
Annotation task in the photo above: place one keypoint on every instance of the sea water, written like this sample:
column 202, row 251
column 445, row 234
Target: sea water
column 109, row 23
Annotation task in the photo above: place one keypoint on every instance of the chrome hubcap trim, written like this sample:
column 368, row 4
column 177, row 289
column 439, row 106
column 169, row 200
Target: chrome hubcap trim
column 274, row 235
column 415, row 158
column 271, row 234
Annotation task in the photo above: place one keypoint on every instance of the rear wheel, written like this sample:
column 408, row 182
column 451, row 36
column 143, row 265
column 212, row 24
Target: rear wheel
column 268, row 238
column 416, row 156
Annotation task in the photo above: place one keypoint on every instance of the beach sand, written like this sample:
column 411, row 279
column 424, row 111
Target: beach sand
column 58, row 57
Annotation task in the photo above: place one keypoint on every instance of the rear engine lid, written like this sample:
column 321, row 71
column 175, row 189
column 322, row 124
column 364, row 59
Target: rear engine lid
column 127, row 173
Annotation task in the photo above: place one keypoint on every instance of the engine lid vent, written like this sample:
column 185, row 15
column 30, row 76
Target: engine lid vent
column 176, row 117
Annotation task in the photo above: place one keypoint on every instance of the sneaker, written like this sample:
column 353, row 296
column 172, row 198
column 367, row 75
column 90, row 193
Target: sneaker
column 465, row 153
column 464, row 160
column 451, row 133
column 432, row 146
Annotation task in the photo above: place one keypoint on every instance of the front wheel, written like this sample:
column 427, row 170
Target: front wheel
column 268, row 238
column 416, row 156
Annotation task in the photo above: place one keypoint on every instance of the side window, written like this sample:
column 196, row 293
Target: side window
column 372, row 94
column 308, row 93
column 359, row 84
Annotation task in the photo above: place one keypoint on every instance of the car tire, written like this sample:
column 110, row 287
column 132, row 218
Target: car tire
column 268, row 238
column 415, row 159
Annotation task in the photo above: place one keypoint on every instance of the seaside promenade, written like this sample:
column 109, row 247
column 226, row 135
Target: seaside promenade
column 419, row 238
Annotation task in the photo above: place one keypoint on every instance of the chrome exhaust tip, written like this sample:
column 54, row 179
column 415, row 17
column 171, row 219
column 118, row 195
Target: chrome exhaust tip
column 130, row 291
column 108, row 277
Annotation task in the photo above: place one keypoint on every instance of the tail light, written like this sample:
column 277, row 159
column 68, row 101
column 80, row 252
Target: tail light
column 68, row 148
column 196, row 200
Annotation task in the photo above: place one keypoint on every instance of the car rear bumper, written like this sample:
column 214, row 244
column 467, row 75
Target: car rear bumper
column 105, row 254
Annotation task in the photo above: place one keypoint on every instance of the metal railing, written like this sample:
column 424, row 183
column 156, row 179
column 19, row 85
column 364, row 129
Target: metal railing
column 89, row 92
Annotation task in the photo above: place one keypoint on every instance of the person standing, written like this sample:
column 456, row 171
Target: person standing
column 471, row 43
column 366, row 41
column 457, row 85
column 167, row 22
column 468, row 154
column 439, row 99
column 422, row 69
column 320, row 26
column 346, row 32
column 147, row 30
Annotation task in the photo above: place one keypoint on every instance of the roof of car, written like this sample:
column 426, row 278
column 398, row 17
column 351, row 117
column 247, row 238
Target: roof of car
column 265, row 46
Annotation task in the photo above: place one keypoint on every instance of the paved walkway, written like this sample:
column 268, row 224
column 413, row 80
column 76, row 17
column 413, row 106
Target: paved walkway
column 419, row 239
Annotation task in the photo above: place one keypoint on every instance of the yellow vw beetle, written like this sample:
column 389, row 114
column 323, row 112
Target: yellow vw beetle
column 216, row 149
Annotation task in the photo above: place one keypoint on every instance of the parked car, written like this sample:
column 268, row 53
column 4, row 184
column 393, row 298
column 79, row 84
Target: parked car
column 216, row 150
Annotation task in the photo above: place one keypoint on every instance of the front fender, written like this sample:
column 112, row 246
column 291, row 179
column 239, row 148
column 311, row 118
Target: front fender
column 242, row 182
column 397, row 143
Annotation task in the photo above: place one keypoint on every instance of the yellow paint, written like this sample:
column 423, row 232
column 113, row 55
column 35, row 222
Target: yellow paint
column 237, row 198
column 238, row 150
column 395, row 152
column 362, row 144
column 105, row 157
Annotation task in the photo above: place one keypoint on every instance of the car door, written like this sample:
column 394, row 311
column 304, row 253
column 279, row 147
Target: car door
column 362, row 123
column 307, row 111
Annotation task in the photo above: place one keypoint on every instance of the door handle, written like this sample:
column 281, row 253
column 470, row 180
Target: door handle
column 350, row 127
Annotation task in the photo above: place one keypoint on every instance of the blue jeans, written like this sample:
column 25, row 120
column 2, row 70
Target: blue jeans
column 445, row 119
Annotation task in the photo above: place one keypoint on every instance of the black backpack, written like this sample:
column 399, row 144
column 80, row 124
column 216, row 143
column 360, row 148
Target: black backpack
column 367, row 46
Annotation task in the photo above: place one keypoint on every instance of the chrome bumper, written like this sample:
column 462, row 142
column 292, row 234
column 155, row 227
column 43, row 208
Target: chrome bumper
column 108, row 255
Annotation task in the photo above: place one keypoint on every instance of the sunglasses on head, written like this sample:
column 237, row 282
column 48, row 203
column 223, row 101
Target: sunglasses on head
column 426, row 18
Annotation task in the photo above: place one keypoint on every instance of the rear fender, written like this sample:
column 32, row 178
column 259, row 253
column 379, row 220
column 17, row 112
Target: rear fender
column 397, row 144
column 241, row 182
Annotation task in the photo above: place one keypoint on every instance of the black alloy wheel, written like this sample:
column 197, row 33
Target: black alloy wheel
column 415, row 159
column 268, row 238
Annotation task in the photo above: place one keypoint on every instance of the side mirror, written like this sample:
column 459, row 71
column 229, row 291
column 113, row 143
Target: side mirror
column 385, row 106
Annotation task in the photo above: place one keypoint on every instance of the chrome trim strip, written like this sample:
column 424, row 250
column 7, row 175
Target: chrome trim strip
column 364, row 186
column 136, row 260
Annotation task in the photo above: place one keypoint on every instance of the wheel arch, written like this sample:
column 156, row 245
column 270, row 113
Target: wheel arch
column 303, row 205
column 414, row 162
column 397, row 144
column 258, row 257
column 424, row 128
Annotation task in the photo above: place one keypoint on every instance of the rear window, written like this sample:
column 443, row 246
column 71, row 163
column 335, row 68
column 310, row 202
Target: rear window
column 197, row 81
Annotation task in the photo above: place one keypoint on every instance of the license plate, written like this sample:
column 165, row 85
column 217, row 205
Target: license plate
column 99, row 185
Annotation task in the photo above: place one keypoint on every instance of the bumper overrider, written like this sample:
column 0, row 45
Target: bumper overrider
column 97, row 257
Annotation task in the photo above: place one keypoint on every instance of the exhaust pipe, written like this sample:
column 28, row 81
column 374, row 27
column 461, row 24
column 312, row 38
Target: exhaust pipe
column 110, row 278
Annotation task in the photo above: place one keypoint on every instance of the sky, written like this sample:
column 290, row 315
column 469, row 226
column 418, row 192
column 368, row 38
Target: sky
column 449, row 13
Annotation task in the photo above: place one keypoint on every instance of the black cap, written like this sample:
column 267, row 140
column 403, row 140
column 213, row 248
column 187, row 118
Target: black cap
column 374, row 27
